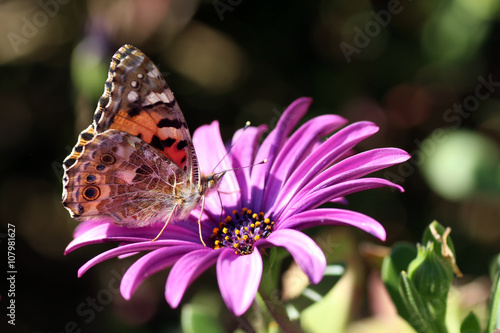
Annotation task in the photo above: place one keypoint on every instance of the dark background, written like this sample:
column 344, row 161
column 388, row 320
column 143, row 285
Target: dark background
column 402, row 64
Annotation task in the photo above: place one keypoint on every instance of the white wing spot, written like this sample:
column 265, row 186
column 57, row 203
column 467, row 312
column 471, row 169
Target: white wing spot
column 134, row 84
column 151, row 98
column 154, row 73
column 165, row 98
column 140, row 76
column 132, row 96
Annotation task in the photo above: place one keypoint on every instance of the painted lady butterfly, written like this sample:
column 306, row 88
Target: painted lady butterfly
column 136, row 164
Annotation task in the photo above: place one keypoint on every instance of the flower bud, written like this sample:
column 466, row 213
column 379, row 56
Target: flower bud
column 431, row 274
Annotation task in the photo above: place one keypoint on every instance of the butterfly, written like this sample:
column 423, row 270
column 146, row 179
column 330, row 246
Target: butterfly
column 135, row 165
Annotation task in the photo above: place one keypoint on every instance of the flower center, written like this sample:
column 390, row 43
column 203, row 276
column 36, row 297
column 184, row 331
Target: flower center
column 242, row 231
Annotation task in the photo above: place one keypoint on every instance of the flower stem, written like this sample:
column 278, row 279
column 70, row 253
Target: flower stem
column 279, row 314
column 269, row 295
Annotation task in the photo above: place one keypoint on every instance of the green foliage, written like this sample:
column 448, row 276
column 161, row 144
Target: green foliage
column 431, row 276
column 418, row 280
column 470, row 324
column 399, row 259
column 420, row 295
column 196, row 318
column 419, row 315
column 494, row 322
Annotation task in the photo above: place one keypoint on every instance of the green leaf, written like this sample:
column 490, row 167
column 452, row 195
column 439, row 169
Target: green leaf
column 432, row 276
column 399, row 259
column 419, row 316
column 196, row 318
column 470, row 324
column 494, row 320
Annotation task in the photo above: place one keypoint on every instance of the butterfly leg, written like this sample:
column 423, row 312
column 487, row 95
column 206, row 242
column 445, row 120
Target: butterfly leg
column 165, row 225
column 220, row 200
column 199, row 220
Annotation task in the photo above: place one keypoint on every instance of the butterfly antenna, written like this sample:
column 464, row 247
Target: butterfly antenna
column 247, row 124
column 264, row 161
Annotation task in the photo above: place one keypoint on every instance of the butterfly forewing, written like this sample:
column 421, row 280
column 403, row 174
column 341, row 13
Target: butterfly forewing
column 137, row 100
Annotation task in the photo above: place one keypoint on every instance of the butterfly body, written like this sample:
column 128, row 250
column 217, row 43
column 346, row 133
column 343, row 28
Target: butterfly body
column 136, row 164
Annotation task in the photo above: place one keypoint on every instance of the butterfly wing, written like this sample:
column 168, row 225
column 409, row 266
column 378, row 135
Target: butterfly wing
column 121, row 177
column 138, row 101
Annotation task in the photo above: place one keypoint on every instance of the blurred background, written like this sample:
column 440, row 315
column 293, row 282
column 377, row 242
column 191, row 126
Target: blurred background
column 427, row 72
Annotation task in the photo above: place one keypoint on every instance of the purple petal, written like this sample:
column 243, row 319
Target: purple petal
column 130, row 248
column 243, row 153
column 211, row 153
column 354, row 167
column 341, row 201
column 149, row 264
column 88, row 225
column 296, row 149
column 331, row 149
column 324, row 156
column 239, row 279
column 303, row 249
column 271, row 146
column 209, row 147
column 333, row 216
column 94, row 233
column 322, row 196
column 186, row 270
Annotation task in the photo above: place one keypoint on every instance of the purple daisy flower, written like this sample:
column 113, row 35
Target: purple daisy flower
column 262, row 206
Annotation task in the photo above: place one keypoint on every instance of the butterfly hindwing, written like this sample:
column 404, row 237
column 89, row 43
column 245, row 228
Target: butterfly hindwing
column 85, row 137
column 121, row 177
